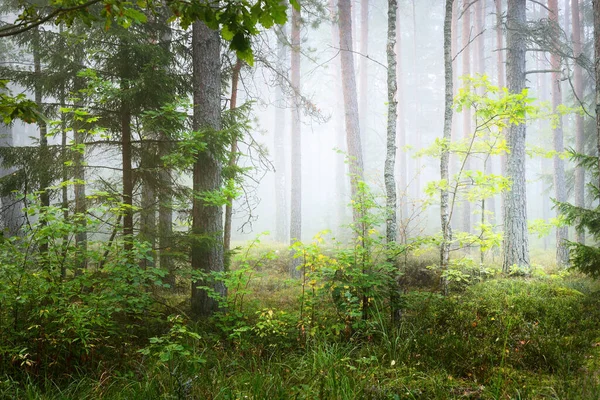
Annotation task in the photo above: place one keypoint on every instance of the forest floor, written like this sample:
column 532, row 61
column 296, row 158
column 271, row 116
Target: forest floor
column 516, row 337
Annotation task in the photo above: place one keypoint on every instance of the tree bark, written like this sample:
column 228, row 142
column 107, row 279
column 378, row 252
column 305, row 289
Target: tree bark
column 353, row 141
column 562, row 252
column 402, row 164
column 516, row 241
column 235, row 77
column 282, row 222
column 466, row 112
column 364, row 73
column 447, row 137
column 44, row 157
column 596, row 5
column 579, row 132
column 296, row 198
column 501, row 83
column 340, row 166
column 390, row 160
column 207, row 219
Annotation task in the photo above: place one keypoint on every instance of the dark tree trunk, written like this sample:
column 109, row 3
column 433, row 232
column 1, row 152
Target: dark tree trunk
column 207, row 219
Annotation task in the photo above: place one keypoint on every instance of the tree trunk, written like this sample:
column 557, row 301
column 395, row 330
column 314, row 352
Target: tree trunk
column 402, row 164
column 501, row 83
column 364, row 74
column 296, row 198
column 562, row 252
column 44, row 156
column 516, row 243
column 353, row 142
column 447, row 137
column 390, row 159
column 579, row 132
column 12, row 216
column 148, row 211
column 127, row 172
column 596, row 5
column 207, row 219
column 466, row 112
column 282, row 222
column 235, row 77
column 340, row 166
column 418, row 107
column 165, row 227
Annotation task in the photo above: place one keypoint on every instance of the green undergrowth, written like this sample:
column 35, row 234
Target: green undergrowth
column 504, row 338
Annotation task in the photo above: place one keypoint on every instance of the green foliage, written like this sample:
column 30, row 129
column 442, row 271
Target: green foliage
column 54, row 322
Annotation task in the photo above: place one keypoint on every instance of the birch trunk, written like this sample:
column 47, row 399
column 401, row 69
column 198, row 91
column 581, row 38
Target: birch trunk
column 447, row 136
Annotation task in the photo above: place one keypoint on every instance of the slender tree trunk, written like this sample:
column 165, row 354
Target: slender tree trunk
column 418, row 106
column 562, row 252
column 296, row 198
column 12, row 216
column 447, row 137
column 44, row 155
column 390, row 159
column 364, row 73
column 165, row 227
column 501, row 83
column 579, row 132
column 350, row 101
column 235, row 77
column 341, row 172
column 127, row 172
column 79, row 189
column 596, row 5
column 466, row 112
column 207, row 219
column 402, row 164
column 148, row 210
column 282, row 222
column 516, row 241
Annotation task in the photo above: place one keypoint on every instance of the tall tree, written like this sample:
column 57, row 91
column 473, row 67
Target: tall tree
column 390, row 158
column 282, row 223
column 353, row 141
column 296, row 198
column 207, row 218
column 596, row 5
column 516, row 242
column 560, row 189
column 579, row 132
column 401, row 164
column 466, row 112
column 233, row 156
column 364, row 71
column 447, row 137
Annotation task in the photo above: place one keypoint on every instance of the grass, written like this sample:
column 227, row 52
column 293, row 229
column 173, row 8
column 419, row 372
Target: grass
column 503, row 338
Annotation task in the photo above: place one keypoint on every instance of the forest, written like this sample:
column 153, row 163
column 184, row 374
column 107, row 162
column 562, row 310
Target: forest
column 263, row 199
